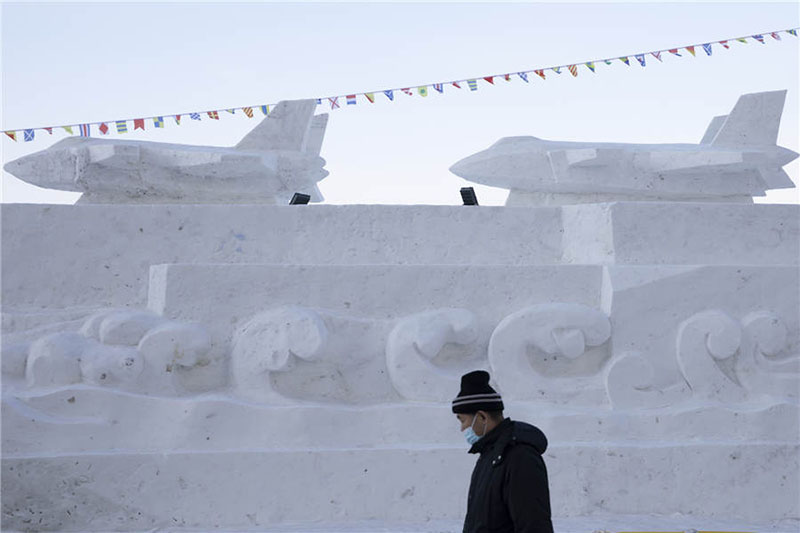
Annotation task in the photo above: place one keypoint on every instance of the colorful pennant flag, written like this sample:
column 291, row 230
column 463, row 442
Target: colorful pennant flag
column 351, row 99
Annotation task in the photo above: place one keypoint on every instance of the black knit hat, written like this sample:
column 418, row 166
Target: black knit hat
column 476, row 394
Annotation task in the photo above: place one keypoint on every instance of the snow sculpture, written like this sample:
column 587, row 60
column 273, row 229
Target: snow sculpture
column 629, row 381
column 559, row 329
column 737, row 159
column 673, row 363
column 55, row 360
column 131, row 350
column 413, row 344
column 719, row 359
column 294, row 353
column 277, row 158
column 269, row 342
column 706, row 344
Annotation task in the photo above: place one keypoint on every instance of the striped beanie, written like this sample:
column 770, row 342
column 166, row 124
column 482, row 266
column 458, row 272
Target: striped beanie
column 476, row 394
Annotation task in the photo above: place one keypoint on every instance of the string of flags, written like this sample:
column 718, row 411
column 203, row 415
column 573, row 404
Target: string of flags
column 121, row 126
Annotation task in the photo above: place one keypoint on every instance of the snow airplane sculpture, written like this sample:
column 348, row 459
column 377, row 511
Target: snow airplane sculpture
column 737, row 158
column 277, row 158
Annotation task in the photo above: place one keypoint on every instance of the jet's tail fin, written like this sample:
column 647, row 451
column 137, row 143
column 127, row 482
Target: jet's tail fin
column 713, row 129
column 316, row 132
column 291, row 126
column 754, row 121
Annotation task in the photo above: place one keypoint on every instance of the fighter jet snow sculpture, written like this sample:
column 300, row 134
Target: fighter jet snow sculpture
column 737, row 159
column 277, row 158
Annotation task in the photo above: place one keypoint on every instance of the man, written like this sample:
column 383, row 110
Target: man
column 509, row 490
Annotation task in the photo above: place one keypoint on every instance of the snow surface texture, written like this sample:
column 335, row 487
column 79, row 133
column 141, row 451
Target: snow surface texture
column 289, row 368
column 664, row 376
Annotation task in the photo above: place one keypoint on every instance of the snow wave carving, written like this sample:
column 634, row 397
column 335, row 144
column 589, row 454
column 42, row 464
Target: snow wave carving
column 415, row 341
column 719, row 359
column 137, row 351
column 630, row 385
column 269, row 342
column 707, row 344
column 554, row 330
column 760, row 367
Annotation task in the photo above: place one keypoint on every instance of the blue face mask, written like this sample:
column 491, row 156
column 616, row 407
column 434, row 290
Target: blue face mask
column 471, row 437
column 470, row 434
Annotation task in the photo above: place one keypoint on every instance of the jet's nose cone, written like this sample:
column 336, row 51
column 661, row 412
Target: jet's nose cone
column 19, row 168
column 460, row 168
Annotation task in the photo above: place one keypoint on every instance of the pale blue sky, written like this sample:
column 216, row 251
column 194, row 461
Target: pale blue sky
column 72, row 63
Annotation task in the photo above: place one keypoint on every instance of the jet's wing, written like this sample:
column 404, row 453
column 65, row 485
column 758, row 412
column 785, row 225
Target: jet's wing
column 584, row 157
column 776, row 178
column 666, row 161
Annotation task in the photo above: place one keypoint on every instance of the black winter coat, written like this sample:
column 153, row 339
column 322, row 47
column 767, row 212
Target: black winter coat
column 509, row 491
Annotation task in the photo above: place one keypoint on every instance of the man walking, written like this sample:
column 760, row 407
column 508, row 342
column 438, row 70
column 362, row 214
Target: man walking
column 509, row 490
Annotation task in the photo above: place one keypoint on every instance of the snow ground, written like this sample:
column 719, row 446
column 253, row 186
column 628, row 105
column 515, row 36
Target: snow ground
column 583, row 524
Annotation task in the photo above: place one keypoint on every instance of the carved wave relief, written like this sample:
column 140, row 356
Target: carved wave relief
column 558, row 353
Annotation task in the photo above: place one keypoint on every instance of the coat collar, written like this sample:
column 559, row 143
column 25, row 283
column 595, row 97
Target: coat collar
column 490, row 438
